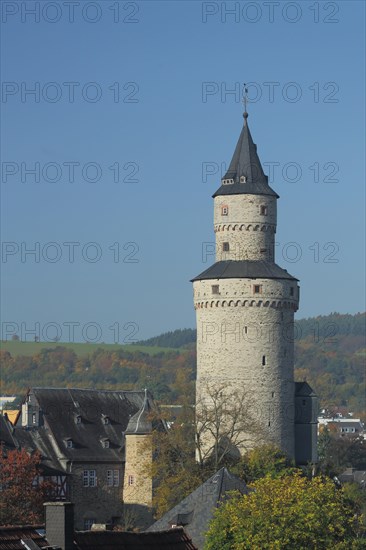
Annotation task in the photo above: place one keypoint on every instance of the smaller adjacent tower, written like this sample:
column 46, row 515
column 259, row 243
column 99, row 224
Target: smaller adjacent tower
column 137, row 486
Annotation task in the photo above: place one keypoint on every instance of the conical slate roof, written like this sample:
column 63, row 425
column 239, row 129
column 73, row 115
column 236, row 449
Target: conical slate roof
column 245, row 165
column 244, row 269
column 196, row 510
column 140, row 423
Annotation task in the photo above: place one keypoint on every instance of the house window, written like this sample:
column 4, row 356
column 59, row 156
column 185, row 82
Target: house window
column 131, row 480
column 215, row 289
column 263, row 210
column 224, row 210
column 89, row 478
column 243, row 179
column 113, row 478
column 225, row 247
column 88, row 523
column 263, row 360
column 257, row 289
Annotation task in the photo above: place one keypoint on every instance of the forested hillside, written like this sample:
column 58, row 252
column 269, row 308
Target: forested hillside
column 324, row 327
column 329, row 354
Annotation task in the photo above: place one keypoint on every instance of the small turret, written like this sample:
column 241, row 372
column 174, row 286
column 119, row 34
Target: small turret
column 137, row 487
column 140, row 423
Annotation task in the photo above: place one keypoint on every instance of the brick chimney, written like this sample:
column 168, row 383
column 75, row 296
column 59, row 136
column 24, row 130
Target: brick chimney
column 60, row 524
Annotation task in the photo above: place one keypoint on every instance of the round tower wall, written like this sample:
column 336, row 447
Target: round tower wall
column 245, row 227
column 245, row 340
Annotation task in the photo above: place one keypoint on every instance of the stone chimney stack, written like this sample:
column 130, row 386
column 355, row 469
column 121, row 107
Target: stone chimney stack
column 60, row 524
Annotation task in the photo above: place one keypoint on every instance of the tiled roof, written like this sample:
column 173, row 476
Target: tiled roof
column 102, row 415
column 196, row 510
column 11, row 537
column 6, row 433
column 172, row 539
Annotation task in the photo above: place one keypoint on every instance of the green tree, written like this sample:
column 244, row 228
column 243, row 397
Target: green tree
column 284, row 514
column 174, row 469
column 261, row 461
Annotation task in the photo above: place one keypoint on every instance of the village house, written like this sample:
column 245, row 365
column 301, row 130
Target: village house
column 94, row 446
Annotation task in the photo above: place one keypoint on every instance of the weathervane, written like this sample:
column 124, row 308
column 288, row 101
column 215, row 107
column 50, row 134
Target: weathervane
column 245, row 101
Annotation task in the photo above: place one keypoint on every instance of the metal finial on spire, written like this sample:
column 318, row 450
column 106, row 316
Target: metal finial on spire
column 245, row 102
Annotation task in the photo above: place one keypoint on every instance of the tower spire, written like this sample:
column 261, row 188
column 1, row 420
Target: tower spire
column 245, row 102
column 245, row 174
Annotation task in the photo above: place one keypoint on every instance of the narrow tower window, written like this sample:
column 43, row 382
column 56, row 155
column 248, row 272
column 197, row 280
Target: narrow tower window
column 263, row 360
column 292, row 291
column 224, row 210
column 264, row 210
column 215, row 289
column 225, row 247
column 257, row 289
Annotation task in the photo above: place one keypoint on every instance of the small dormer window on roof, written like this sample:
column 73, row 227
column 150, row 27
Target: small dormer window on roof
column 105, row 443
column 78, row 419
column 69, row 443
column 227, row 181
column 105, row 419
column 243, row 179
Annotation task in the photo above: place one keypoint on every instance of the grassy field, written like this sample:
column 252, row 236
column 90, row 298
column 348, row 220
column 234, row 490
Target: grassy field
column 15, row 347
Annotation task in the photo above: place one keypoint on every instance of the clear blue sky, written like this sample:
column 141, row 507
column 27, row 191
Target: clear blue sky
column 156, row 118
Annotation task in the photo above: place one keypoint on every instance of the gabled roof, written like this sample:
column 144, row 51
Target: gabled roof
column 173, row 539
column 244, row 269
column 302, row 389
column 11, row 537
column 103, row 414
column 6, row 433
column 196, row 510
column 245, row 162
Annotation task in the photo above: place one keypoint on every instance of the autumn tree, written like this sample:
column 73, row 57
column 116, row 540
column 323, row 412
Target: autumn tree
column 225, row 425
column 22, row 496
column 336, row 452
column 265, row 460
column 174, row 470
column 182, row 459
column 286, row 513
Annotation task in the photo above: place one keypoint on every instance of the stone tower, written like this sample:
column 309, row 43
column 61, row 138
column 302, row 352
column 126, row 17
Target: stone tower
column 137, row 485
column 245, row 304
